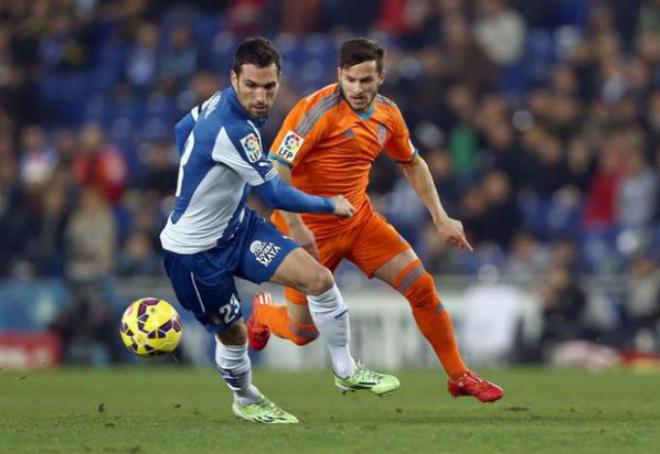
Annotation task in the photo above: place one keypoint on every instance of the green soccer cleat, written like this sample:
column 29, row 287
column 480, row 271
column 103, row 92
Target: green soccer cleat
column 263, row 411
column 365, row 379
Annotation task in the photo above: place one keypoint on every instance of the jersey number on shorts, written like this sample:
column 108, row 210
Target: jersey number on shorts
column 229, row 310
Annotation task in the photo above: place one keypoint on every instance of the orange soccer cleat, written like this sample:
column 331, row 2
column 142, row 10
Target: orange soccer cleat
column 258, row 334
column 471, row 384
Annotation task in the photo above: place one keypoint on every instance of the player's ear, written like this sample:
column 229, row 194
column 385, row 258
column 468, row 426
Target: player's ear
column 381, row 77
column 234, row 79
column 339, row 73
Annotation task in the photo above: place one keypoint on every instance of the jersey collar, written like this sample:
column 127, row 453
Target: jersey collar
column 364, row 116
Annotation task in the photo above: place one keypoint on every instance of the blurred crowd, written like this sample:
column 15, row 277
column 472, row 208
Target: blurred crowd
column 539, row 119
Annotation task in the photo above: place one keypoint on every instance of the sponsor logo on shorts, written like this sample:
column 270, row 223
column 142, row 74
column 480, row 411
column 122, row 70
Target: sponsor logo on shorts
column 264, row 252
column 290, row 146
column 252, row 147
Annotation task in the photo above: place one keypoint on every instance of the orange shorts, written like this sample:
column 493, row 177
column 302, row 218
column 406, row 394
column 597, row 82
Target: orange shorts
column 369, row 246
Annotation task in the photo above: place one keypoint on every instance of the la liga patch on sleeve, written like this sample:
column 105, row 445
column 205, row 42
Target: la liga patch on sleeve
column 252, row 147
column 290, row 146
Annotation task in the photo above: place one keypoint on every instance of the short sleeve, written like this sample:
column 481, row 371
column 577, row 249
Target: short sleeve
column 302, row 129
column 400, row 147
column 241, row 150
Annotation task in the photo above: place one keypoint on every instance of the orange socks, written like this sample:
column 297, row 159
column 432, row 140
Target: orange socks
column 276, row 318
column 432, row 319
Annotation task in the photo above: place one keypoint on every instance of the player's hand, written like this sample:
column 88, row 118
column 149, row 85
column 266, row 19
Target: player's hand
column 343, row 208
column 451, row 230
column 302, row 235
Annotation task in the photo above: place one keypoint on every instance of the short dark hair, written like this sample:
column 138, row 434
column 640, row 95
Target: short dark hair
column 256, row 51
column 358, row 50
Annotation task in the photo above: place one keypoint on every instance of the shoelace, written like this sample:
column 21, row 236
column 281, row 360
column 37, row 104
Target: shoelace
column 365, row 374
column 269, row 405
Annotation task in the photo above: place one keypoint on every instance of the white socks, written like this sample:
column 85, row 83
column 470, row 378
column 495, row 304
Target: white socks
column 330, row 316
column 234, row 365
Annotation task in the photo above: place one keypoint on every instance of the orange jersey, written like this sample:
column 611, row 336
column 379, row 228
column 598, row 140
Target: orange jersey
column 330, row 149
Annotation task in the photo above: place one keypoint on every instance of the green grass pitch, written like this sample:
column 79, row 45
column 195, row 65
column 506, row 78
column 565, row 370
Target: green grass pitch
column 182, row 410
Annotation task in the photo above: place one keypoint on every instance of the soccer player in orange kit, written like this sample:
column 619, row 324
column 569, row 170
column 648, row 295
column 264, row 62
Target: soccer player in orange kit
column 326, row 146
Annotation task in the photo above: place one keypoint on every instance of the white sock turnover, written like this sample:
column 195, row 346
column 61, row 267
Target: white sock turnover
column 330, row 316
column 233, row 363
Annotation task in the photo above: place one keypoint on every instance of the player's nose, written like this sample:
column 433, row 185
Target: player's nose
column 260, row 95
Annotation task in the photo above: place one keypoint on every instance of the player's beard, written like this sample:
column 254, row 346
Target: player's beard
column 367, row 106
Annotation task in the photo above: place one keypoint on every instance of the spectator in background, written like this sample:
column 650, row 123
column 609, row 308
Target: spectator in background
column 88, row 328
column 38, row 158
column 247, row 17
column 599, row 210
column 500, row 31
column 581, row 162
column 642, row 303
column 546, row 171
column 142, row 60
column 99, row 164
column 10, row 214
column 465, row 60
column 652, row 117
column 563, row 305
column 180, row 59
column 649, row 17
column 90, row 238
column 462, row 136
column 160, row 175
column 138, row 257
column 45, row 249
column 637, row 193
column 527, row 261
column 502, row 217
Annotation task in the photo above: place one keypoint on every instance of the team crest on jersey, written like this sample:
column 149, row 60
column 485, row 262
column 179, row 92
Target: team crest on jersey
column 252, row 147
column 290, row 146
column 264, row 252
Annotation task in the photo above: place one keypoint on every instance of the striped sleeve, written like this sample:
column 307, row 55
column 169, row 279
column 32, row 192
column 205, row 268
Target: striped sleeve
column 400, row 147
column 302, row 128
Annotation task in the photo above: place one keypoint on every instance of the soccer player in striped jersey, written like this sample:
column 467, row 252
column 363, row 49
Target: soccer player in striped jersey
column 211, row 237
column 327, row 145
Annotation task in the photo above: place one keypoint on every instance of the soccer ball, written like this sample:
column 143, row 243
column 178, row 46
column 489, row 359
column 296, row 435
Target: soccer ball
column 150, row 327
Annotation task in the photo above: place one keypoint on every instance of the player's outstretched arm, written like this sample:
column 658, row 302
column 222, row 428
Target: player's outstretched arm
column 451, row 230
column 277, row 194
column 298, row 231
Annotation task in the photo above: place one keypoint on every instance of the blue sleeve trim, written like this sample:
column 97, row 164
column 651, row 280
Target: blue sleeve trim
column 274, row 157
column 277, row 194
column 411, row 160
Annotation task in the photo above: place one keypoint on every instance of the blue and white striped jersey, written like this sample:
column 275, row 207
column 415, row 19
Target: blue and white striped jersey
column 222, row 157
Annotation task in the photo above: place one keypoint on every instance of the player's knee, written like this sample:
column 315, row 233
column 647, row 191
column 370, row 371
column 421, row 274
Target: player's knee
column 234, row 335
column 421, row 291
column 319, row 281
